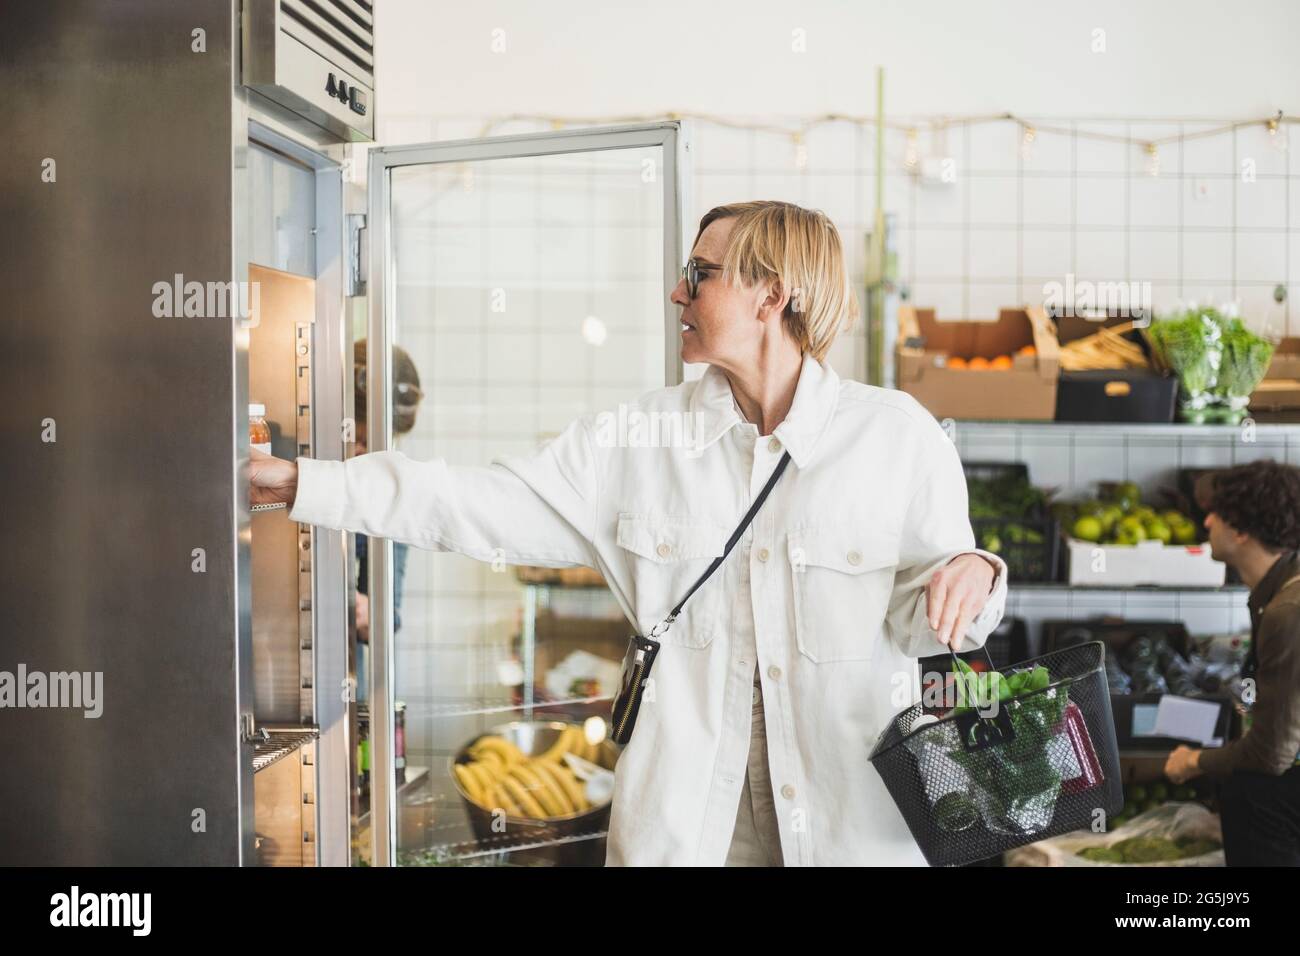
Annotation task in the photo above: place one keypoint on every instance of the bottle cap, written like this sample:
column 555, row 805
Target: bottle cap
column 256, row 411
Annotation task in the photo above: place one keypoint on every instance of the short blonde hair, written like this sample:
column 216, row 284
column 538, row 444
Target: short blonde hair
column 800, row 248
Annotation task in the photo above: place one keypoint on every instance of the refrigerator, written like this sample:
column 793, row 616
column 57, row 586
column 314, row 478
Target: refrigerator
column 197, row 222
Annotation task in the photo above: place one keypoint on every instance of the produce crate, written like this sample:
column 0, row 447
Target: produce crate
column 1027, row 559
column 925, row 368
column 1147, row 562
column 971, row 788
column 1116, row 395
column 1134, row 713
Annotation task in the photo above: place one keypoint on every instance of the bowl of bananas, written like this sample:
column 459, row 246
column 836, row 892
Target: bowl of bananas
column 541, row 784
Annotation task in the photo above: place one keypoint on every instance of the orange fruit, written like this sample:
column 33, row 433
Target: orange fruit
column 978, row 362
column 956, row 362
column 1001, row 362
column 1026, row 350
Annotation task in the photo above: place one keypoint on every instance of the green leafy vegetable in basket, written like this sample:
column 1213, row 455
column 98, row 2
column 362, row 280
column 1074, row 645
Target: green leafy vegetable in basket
column 1016, row 781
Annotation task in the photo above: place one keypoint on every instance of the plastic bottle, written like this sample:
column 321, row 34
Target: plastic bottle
column 259, row 432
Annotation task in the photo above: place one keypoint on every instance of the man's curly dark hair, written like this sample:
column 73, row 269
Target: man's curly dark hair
column 1261, row 499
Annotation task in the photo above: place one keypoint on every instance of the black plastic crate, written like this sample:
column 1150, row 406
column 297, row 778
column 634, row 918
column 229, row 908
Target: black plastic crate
column 970, row 788
column 1115, row 395
column 1030, row 543
column 1134, row 710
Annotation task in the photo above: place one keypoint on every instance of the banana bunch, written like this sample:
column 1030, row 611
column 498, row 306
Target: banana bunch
column 500, row 775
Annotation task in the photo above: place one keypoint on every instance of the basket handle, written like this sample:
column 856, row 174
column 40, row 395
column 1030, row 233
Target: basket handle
column 992, row 730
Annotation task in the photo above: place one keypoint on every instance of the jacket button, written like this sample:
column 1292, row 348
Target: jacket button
column 788, row 792
column 664, row 550
column 774, row 672
column 855, row 557
column 774, row 445
column 764, row 554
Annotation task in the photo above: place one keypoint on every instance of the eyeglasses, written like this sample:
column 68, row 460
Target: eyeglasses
column 693, row 271
column 405, row 394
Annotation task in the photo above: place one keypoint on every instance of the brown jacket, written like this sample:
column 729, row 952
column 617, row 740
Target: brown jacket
column 1273, row 742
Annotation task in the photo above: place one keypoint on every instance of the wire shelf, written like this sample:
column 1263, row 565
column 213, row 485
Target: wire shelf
column 280, row 742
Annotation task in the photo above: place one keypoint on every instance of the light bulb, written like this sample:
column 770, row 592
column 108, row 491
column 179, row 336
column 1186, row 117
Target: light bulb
column 1153, row 160
column 912, row 155
column 1277, row 136
column 800, row 153
column 1027, row 143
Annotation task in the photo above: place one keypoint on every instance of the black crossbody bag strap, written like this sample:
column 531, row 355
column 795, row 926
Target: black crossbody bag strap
column 642, row 651
column 731, row 543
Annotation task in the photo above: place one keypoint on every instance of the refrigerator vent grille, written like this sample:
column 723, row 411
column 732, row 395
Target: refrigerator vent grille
column 342, row 31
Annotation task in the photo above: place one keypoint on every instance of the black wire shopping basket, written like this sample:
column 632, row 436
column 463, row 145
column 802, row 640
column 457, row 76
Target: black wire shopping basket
column 974, row 782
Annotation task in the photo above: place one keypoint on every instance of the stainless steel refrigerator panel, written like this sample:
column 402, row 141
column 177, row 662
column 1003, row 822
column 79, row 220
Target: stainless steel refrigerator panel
column 120, row 433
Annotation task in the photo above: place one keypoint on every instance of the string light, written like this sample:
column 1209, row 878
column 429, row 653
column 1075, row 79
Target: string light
column 1275, row 125
column 912, row 156
column 1277, row 137
column 1153, row 160
column 1027, row 143
column 800, row 152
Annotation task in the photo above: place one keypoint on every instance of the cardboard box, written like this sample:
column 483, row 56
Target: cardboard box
column 1280, row 390
column 1027, row 390
column 1147, row 562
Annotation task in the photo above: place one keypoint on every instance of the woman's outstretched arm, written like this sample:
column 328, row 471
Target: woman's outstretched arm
column 538, row 509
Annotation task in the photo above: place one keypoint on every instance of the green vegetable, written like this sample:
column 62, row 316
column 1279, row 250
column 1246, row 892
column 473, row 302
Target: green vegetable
column 1246, row 357
column 1184, row 345
column 1101, row 854
column 1219, row 361
column 1016, row 782
column 1148, row 850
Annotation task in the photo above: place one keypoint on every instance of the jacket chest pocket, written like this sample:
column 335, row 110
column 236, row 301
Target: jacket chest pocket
column 842, row 583
column 667, row 555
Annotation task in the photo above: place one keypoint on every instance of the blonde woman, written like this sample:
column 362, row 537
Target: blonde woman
column 772, row 686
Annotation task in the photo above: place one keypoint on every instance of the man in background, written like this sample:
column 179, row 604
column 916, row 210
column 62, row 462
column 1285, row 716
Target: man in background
column 1253, row 516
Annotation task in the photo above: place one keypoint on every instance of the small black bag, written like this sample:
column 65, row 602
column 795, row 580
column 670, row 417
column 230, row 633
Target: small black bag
column 641, row 651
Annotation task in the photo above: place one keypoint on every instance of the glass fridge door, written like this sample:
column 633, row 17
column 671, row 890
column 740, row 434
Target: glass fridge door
column 517, row 283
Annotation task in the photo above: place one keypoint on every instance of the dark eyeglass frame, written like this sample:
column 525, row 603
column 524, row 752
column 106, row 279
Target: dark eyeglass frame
column 693, row 270
column 405, row 394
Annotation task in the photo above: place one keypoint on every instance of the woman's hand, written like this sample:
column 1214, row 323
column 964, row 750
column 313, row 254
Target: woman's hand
column 1183, row 764
column 957, row 592
column 271, row 480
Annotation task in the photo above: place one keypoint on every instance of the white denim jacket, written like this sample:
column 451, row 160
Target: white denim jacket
column 825, row 593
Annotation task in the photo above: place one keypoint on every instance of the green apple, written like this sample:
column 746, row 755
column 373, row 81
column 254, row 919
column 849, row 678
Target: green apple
column 1157, row 530
column 1110, row 517
column 1129, row 532
column 1088, row 528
